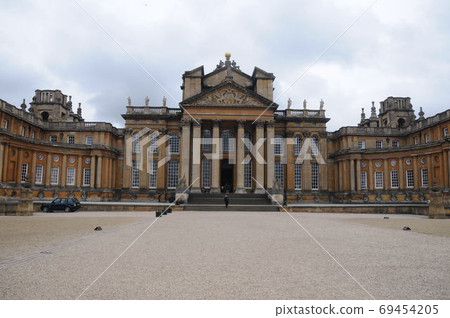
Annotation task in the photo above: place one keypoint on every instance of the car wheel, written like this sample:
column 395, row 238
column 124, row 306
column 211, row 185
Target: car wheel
column 67, row 209
column 45, row 209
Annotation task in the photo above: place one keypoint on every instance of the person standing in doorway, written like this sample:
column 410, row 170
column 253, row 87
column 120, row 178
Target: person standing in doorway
column 226, row 200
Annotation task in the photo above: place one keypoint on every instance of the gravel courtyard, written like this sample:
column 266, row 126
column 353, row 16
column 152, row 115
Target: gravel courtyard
column 223, row 255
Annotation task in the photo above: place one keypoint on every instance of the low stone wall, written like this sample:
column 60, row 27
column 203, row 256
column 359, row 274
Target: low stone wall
column 422, row 209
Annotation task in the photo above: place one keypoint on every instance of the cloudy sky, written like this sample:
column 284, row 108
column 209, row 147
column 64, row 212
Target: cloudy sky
column 101, row 52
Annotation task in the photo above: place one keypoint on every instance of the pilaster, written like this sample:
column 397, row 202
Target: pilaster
column 240, row 155
column 215, row 160
column 196, row 162
column 260, row 165
column 270, row 155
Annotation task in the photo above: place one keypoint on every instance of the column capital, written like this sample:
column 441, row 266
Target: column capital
column 270, row 123
column 216, row 122
column 241, row 122
column 185, row 121
column 259, row 123
column 198, row 122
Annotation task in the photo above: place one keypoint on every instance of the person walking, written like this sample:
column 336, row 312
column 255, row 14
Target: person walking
column 226, row 200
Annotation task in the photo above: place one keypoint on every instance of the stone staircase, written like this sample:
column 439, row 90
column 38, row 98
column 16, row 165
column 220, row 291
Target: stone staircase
column 238, row 202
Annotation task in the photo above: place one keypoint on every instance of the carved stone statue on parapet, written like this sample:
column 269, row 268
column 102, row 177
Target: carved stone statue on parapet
column 305, row 103
column 146, row 100
column 164, row 101
column 321, row 104
column 129, row 100
column 289, row 103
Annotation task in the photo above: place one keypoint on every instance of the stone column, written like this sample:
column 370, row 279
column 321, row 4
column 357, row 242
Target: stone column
column 98, row 180
column 290, row 161
column 2, row 154
column 430, row 171
column 32, row 169
column 260, row 165
column 196, row 159
column 358, row 175
column 270, row 172
column 79, row 172
column 240, row 155
column 401, row 174
column 445, row 169
column 340, row 175
column 93, row 171
column 19, row 165
column 4, row 166
column 48, row 169
column 387, row 175
column 416, row 173
column 63, row 170
column 215, row 160
column 352, row 175
column 186, row 150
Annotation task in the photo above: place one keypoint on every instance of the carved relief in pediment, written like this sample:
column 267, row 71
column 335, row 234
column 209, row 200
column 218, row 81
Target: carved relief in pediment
column 228, row 96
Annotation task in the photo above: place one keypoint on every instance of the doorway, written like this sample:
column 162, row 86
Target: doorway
column 226, row 176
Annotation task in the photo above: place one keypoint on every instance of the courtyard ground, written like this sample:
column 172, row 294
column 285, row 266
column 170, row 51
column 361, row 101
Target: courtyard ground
column 224, row 255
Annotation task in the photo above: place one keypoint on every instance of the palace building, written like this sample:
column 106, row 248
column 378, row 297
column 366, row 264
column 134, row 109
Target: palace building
column 226, row 135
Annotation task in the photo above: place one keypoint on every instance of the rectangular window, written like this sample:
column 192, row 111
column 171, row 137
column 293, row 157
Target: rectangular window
column 5, row 124
column 378, row 179
column 86, row 176
column 363, row 179
column 314, row 176
column 206, row 141
column 410, row 178
column 361, row 144
column 427, row 138
column 71, row 139
column 394, row 179
column 206, row 173
column 297, row 145
column 33, row 134
column 135, row 174
column 70, row 176
column 379, row 144
column 248, row 175
column 54, row 176
column 136, row 148
column 53, row 138
column 172, row 178
column 153, row 147
column 24, row 174
column 279, row 173
column 445, row 132
column 174, row 143
column 298, row 176
column 39, row 174
column 89, row 140
column 424, row 177
column 22, row 133
column 416, row 140
column 395, row 144
column 153, row 169
column 277, row 146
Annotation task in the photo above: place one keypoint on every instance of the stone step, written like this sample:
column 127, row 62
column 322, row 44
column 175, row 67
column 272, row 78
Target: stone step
column 231, row 208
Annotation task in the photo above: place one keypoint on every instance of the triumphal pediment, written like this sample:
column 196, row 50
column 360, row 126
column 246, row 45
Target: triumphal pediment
column 227, row 94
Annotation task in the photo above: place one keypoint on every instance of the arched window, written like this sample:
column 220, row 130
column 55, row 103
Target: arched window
column 297, row 145
column 174, row 143
column 401, row 122
column 227, row 140
column 206, row 141
column 44, row 116
column 315, row 145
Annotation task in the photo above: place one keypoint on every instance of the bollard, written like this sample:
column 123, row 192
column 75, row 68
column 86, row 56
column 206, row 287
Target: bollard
column 158, row 214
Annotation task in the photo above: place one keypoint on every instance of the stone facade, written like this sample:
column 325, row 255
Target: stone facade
column 390, row 156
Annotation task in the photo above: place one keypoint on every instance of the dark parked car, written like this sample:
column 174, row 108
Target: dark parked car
column 65, row 204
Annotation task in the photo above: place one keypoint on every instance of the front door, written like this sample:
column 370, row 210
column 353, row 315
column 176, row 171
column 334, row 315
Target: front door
column 226, row 176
